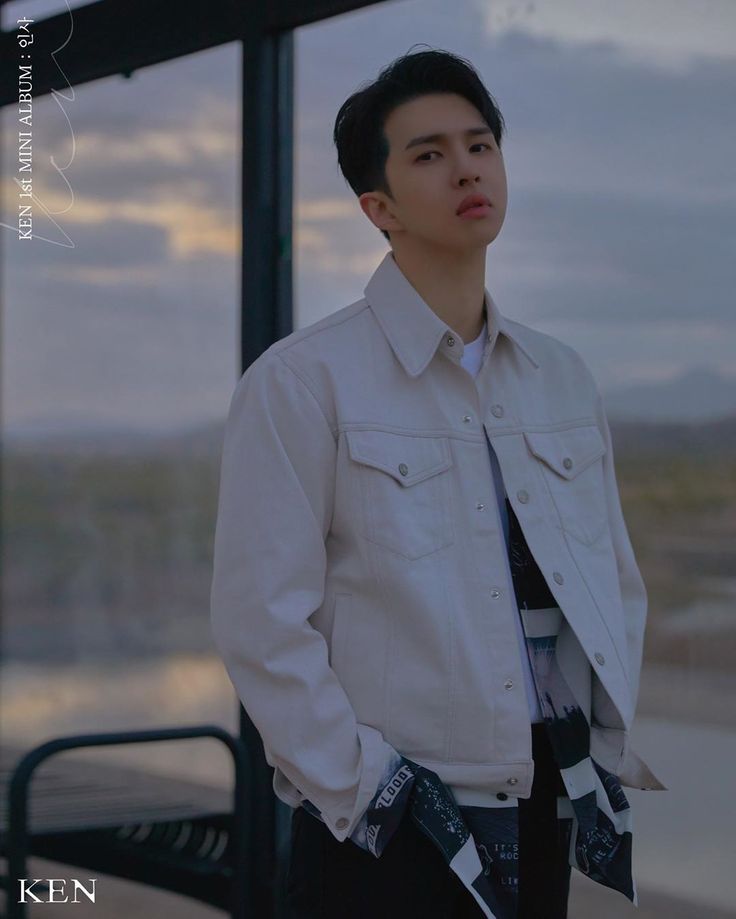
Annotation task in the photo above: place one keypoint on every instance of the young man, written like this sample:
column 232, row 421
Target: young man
column 424, row 590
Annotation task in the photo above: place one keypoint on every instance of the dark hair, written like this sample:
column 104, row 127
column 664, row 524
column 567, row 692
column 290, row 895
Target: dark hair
column 362, row 148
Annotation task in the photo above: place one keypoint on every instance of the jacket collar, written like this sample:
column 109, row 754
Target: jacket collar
column 413, row 329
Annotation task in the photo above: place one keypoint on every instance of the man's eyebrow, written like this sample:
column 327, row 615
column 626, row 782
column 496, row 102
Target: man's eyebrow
column 434, row 138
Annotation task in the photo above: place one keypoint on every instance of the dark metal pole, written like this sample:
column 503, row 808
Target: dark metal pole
column 265, row 317
column 267, row 178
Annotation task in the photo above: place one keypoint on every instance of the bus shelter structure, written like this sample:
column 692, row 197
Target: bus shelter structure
column 220, row 849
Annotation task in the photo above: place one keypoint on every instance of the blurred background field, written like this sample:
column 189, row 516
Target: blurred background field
column 108, row 546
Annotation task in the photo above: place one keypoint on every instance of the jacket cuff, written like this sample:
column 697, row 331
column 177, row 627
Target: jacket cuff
column 611, row 748
column 608, row 746
column 374, row 838
column 376, row 755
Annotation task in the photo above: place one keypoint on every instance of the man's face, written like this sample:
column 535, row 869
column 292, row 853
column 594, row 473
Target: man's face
column 431, row 178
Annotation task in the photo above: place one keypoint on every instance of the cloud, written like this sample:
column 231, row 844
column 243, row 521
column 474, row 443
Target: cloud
column 659, row 33
column 600, row 256
column 622, row 193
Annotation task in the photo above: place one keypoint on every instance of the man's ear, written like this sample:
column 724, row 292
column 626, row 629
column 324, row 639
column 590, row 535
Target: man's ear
column 376, row 206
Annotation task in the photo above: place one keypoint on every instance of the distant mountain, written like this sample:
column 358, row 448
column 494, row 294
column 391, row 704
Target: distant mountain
column 672, row 438
column 66, row 436
column 701, row 394
column 696, row 409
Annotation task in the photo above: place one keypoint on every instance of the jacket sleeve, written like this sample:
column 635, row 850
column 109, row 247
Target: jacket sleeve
column 633, row 590
column 385, row 811
column 274, row 512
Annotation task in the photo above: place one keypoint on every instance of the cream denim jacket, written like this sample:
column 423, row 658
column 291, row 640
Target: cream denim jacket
column 359, row 600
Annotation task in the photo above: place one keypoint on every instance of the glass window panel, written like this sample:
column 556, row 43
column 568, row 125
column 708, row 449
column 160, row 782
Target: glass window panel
column 119, row 355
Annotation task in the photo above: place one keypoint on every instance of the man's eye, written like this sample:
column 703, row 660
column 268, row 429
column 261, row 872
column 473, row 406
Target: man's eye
column 430, row 152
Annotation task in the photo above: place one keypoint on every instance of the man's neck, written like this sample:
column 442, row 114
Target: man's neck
column 452, row 287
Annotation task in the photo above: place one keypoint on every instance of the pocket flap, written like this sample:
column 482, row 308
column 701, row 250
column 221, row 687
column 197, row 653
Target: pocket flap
column 405, row 457
column 568, row 452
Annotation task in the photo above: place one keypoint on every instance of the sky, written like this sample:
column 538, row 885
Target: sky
column 619, row 235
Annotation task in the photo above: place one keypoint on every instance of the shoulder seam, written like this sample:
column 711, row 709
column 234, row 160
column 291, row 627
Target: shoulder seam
column 309, row 386
column 310, row 333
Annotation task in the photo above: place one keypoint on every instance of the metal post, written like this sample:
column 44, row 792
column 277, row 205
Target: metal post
column 265, row 316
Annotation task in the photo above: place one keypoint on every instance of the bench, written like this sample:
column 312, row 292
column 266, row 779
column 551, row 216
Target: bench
column 190, row 838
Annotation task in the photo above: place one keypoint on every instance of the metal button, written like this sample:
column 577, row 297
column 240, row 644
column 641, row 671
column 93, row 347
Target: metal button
column 522, row 495
column 403, row 468
column 341, row 823
column 479, row 506
column 508, row 684
column 599, row 657
column 450, row 340
column 502, row 796
column 512, row 781
column 497, row 410
column 495, row 593
column 558, row 577
column 567, row 462
column 467, row 418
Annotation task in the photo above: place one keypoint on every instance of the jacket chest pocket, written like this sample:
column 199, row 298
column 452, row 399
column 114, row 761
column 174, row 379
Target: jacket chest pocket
column 571, row 462
column 404, row 487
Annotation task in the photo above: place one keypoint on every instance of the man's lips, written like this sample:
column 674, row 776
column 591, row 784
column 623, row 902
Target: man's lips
column 472, row 202
column 482, row 210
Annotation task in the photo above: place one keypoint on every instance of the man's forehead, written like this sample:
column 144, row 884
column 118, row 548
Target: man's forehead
column 410, row 129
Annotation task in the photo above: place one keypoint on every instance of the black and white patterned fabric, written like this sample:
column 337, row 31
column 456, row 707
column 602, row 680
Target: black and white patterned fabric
column 480, row 843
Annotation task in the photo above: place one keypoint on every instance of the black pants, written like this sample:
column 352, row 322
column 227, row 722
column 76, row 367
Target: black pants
column 411, row 880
